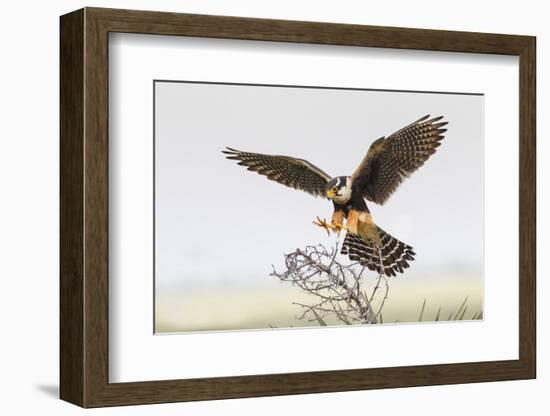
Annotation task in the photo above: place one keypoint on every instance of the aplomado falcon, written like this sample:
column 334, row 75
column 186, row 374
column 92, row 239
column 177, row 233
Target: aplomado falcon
column 387, row 163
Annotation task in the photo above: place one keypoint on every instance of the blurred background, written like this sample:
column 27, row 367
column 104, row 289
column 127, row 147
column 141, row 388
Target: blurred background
column 219, row 229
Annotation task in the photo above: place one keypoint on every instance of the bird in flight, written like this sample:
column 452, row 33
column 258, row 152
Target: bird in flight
column 387, row 163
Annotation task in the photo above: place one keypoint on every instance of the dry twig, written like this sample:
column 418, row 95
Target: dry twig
column 339, row 288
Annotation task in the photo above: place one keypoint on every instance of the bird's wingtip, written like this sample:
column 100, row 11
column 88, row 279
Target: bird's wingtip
column 229, row 150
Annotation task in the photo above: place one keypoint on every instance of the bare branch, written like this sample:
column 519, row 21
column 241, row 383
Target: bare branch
column 338, row 289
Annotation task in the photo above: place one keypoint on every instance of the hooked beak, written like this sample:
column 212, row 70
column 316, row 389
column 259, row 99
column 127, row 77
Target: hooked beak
column 331, row 194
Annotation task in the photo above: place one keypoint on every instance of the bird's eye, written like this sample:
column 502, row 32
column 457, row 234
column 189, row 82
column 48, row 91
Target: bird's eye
column 334, row 189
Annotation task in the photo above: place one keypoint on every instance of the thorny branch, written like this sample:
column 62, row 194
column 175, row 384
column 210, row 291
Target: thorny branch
column 339, row 289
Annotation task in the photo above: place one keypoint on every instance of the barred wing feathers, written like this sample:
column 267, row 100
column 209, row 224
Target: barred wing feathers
column 390, row 160
column 289, row 171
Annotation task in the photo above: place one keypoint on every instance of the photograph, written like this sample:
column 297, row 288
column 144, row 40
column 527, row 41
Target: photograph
column 292, row 206
column 253, row 205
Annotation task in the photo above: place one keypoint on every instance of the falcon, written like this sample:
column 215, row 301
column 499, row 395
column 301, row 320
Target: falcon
column 384, row 167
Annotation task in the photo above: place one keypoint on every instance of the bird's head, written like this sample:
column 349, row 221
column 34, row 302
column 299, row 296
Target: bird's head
column 339, row 189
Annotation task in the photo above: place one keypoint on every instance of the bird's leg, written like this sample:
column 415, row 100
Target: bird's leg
column 336, row 225
column 353, row 220
column 324, row 224
column 337, row 228
column 338, row 220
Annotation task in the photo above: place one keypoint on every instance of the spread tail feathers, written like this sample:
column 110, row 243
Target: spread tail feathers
column 388, row 256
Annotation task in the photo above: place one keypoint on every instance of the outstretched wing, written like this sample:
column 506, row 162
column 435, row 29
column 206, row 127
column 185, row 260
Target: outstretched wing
column 292, row 172
column 390, row 160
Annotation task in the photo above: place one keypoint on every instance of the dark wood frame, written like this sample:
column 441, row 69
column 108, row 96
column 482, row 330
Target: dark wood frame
column 84, row 214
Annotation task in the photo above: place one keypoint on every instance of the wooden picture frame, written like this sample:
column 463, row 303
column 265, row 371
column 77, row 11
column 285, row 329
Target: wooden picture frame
column 84, row 207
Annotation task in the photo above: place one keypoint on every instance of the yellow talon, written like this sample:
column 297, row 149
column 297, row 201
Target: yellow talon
column 329, row 227
column 339, row 228
column 323, row 224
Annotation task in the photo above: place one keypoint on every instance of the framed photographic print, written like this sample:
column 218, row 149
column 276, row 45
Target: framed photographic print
column 255, row 207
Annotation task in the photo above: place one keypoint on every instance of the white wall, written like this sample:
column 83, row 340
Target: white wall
column 29, row 208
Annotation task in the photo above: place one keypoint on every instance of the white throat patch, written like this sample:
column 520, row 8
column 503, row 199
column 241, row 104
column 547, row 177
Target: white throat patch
column 344, row 193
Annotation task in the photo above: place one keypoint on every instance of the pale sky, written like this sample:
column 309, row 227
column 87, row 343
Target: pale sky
column 218, row 224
